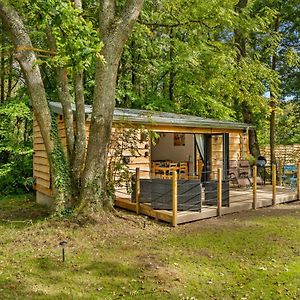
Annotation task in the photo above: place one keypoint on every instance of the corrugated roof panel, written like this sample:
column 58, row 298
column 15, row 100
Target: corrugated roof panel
column 137, row 116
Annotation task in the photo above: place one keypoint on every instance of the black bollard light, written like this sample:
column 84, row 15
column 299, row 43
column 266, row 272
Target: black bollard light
column 63, row 244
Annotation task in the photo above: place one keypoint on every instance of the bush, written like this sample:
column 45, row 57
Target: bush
column 16, row 175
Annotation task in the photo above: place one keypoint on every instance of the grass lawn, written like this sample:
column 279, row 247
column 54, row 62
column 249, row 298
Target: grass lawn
column 250, row 255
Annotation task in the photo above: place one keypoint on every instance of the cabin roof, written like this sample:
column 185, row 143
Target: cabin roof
column 146, row 117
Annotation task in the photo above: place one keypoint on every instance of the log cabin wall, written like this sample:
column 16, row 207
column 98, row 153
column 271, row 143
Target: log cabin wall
column 139, row 158
column 136, row 159
column 41, row 168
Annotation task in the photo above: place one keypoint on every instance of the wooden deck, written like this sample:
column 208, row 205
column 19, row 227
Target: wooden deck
column 240, row 200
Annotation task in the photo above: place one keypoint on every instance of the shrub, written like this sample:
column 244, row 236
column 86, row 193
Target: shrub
column 16, row 174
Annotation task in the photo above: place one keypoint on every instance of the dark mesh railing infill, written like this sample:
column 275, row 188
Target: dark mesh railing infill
column 158, row 192
column 211, row 193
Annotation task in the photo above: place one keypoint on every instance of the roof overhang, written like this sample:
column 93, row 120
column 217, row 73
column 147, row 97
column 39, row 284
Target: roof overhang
column 154, row 118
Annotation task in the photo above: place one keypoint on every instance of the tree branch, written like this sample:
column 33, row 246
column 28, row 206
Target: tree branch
column 80, row 142
column 177, row 24
column 106, row 15
column 64, row 97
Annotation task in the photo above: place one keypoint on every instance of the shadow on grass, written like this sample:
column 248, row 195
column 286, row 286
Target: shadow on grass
column 21, row 209
column 14, row 289
column 102, row 268
column 112, row 269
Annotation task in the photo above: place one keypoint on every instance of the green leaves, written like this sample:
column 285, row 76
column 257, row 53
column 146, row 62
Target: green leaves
column 78, row 44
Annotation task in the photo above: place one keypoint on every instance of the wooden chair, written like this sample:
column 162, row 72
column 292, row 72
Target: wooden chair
column 154, row 166
column 233, row 172
column 183, row 170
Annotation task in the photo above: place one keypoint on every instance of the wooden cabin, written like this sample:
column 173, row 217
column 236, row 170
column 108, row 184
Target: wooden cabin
column 162, row 138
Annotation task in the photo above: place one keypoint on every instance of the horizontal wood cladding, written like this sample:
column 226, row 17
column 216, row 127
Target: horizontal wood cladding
column 39, row 173
column 41, row 168
column 40, row 161
column 137, row 158
column 38, row 147
column 144, row 166
column 43, row 182
column 44, row 190
column 39, row 153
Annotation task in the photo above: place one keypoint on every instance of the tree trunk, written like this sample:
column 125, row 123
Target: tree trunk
column 80, row 141
column 115, row 30
column 240, row 41
column 273, row 104
column 172, row 72
column 64, row 98
column 2, row 68
column 10, row 77
column 115, row 35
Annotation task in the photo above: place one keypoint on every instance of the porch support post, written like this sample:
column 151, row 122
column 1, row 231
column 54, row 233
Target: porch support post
column 273, row 184
column 280, row 173
column 219, row 192
column 137, row 190
column 174, row 199
column 254, row 204
column 298, row 180
column 200, row 167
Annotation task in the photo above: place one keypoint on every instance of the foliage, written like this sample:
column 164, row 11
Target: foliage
column 251, row 159
column 185, row 58
column 15, row 146
column 16, row 175
column 288, row 122
column 77, row 41
column 200, row 57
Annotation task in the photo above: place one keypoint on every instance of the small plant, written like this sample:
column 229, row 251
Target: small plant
column 251, row 159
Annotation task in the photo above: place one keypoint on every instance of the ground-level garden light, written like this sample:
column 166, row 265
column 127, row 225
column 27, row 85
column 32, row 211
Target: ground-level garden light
column 63, row 245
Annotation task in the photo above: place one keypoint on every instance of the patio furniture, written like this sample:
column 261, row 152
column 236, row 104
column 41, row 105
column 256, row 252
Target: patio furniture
column 233, row 172
column 183, row 170
column 164, row 169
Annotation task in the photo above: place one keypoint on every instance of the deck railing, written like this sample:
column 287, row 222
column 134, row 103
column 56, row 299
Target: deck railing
column 217, row 192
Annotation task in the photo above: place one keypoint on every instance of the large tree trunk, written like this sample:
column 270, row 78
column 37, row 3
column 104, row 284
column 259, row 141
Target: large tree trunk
column 246, row 111
column 115, row 32
column 80, row 140
column 2, row 69
column 273, row 104
column 172, row 71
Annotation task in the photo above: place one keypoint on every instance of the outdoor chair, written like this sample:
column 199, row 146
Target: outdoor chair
column 233, row 172
column 183, row 170
column 245, row 174
column 239, row 173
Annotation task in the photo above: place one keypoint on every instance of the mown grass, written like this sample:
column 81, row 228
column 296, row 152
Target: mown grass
column 251, row 255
